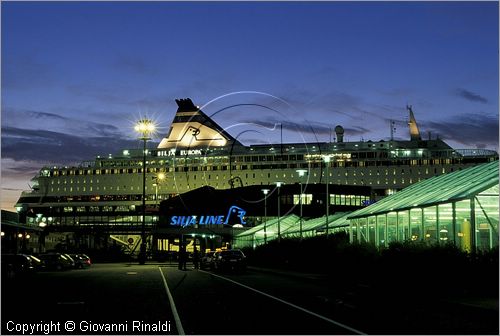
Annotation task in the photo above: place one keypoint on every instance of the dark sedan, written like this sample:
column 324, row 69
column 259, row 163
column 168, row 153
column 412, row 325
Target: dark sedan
column 230, row 260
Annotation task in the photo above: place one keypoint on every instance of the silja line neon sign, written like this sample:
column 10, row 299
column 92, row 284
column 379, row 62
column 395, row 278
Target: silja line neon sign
column 207, row 220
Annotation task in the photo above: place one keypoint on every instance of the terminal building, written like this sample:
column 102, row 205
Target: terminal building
column 100, row 201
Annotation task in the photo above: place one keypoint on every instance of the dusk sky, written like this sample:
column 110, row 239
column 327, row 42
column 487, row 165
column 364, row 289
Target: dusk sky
column 75, row 75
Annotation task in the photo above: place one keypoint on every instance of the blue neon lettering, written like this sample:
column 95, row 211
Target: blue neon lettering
column 209, row 220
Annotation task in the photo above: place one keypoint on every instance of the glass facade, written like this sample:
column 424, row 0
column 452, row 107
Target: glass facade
column 467, row 223
column 460, row 208
column 392, row 229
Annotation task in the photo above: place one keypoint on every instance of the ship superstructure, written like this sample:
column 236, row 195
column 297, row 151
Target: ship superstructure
column 197, row 152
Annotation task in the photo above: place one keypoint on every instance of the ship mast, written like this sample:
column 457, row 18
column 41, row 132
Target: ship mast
column 392, row 124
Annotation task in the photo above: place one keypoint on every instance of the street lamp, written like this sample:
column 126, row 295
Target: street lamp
column 302, row 173
column 326, row 158
column 278, row 185
column 145, row 127
column 265, row 191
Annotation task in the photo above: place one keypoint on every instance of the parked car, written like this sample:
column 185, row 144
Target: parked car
column 37, row 263
column 81, row 260
column 207, row 261
column 56, row 261
column 14, row 265
column 230, row 260
column 70, row 258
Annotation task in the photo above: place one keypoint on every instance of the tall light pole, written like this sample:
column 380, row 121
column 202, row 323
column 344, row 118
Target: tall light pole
column 145, row 127
column 265, row 191
column 278, row 185
column 302, row 173
column 326, row 158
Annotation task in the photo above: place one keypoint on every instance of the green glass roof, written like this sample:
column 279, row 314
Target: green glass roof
column 271, row 226
column 445, row 188
column 315, row 224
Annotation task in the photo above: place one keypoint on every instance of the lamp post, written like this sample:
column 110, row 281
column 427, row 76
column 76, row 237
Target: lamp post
column 278, row 185
column 265, row 191
column 145, row 127
column 302, row 173
column 326, row 158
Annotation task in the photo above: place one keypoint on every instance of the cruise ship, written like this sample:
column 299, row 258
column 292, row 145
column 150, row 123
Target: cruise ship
column 197, row 152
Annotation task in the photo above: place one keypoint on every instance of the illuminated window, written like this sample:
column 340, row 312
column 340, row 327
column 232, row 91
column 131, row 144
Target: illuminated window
column 306, row 199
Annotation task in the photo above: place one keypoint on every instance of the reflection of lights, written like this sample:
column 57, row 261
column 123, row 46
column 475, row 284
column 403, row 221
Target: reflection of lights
column 460, row 234
column 3, row 233
column 427, row 235
column 42, row 224
column 28, row 236
column 443, row 234
column 414, row 237
column 261, row 233
column 301, row 172
column 20, row 235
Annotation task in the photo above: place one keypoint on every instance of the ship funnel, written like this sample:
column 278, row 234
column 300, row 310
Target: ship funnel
column 193, row 129
column 414, row 132
column 339, row 131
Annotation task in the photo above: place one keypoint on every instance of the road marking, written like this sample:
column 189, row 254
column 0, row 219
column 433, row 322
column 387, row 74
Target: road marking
column 290, row 304
column 131, row 273
column 178, row 323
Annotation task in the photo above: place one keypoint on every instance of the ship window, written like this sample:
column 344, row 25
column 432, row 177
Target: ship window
column 306, row 199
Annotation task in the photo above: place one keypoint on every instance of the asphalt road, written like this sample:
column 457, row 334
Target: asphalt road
column 166, row 301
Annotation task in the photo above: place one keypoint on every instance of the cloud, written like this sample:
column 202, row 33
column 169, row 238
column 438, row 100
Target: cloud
column 480, row 130
column 40, row 120
column 40, row 146
column 471, row 96
column 305, row 128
